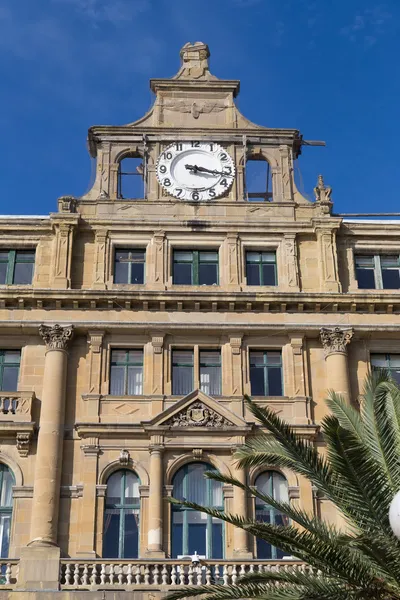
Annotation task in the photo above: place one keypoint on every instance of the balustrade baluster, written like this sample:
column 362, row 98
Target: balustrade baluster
column 8, row 573
column 190, row 575
column 76, row 575
column 251, row 568
column 111, row 575
column 103, row 574
column 147, row 575
column 85, row 575
column 226, row 575
column 93, row 577
column 208, row 575
column 234, row 575
column 173, row 575
column 2, row 404
column 120, row 574
column 182, row 575
column 242, row 571
column 67, row 574
column 137, row 575
column 164, row 575
column 129, row 575
column 216, row 573
column 156, row 575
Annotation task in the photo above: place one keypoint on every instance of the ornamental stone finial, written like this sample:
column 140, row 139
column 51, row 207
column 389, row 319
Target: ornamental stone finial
column 56, row 337
column 322, row 192
column 194, row 59
column 335, row 340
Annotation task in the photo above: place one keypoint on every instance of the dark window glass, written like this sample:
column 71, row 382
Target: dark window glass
column 390, row 272
column 261, row 268
column 121, row 516
column 210, row 372
column 270, row 483
column 391, row 362
column 195, row 267
column 365, row 272
column 266, row 373
column 193, row 531
column 258, row 180
column 129, row 266
column 126, row 372
column 9, row 369
column 182, row 372
column 16, row 266
column 130, row 178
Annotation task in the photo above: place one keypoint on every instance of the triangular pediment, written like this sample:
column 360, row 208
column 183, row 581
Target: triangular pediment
column 197, row 409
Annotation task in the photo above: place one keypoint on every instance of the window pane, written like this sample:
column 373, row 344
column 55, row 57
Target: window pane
column 177, row 536
column 274, row 381
column 183, row 256
column 131, row 534
column 216, row 492
column 208, row 256
column 257, row 358
column 130, row 178
column 135, row 357
column 365, row 279
column 182, row 357
column 137, row 273
column 119, row 356
column 269, row 257
column 268, row 271
column 365, row 261
column 5, row 521
column 121, row 255
column 12, row 356
column 390, row 261
column 394, row 360
column 257, row 381
column 390, row 279
column 253, row 274
column 217, row 539
column 183, row 273
column 6, row 489
column 379, row 361
column 3, row 272
column 274, row 358
column 131, row 491
column 117, row 381
column 114, row 488
column 208, row 274
column 10, row 379
column 264, row 550
column 182, row 380
column 197, row 532
column 23, row 273
column 111, row 533
column 196, row 484
column 121, row 272
column 135, row 381
column 253, row 257
column 210, row 380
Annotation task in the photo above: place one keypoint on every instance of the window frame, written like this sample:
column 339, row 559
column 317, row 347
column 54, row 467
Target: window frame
column 8, row 364
column 260, row 266
column 121, row 175
column 377, row 268
column 267, row 195
column 195, row 265
column 6, row 510
column 126, row 365
column 196, row 350
column 185, row 511
column 130, row 250
column 121, row 508
column 260, row 506
column 12, row 261
column 264, row 350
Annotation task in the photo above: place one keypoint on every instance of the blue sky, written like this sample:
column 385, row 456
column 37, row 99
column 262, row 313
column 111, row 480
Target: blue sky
column 327, row 67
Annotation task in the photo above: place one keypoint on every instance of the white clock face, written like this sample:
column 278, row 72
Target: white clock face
column 195, row 170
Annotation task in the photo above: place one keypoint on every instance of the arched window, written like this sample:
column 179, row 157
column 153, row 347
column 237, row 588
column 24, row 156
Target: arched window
column 121, row 516
column 258, row 183
column 131, row 177
column 194, row 531
column 272, row 484
column 6, row 483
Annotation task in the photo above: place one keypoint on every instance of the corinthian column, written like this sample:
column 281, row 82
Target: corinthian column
column 335, row 341
column 155, row 531
column 46, row 491
column 240, row 538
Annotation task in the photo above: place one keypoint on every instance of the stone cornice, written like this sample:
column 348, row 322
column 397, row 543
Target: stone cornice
column 55, row 336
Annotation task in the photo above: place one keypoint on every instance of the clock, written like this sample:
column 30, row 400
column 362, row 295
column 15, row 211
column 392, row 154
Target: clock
column 195, row 170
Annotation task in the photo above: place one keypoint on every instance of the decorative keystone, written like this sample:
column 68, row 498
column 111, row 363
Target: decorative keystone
column 336, row 340
column 56, row 337
column 23, row 443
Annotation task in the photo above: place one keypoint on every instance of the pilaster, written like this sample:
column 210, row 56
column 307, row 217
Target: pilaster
column 236, row 383
column 100, row 260
column 63, row 225
column 156, row 261
column 327, row 254
column 291, row 265
column 231, row 267
column 155, row 527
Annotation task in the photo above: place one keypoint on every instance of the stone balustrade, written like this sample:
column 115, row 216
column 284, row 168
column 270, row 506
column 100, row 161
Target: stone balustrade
column 100, row 573
column 8, row 573
column 16, row 406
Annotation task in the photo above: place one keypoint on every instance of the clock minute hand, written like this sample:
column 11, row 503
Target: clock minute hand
column 195, row 169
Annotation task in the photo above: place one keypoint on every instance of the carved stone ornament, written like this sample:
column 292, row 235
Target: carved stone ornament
column 23, row 443
column 198, row 415
column 336, row 339
column 67, row 204
column 194, row 62
column 56, row 337
column 124, row 458
column 323, row 195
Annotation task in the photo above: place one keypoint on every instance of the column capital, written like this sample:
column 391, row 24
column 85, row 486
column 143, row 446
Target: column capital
column 55, row 336
column 335, row 339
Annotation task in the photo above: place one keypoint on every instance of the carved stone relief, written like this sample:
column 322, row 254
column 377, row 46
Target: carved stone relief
column 198, row 415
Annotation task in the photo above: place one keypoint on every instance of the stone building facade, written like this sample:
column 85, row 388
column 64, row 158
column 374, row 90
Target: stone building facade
column 133, row 320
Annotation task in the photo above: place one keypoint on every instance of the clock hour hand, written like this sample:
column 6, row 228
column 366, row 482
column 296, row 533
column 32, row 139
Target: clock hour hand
column 196, row 169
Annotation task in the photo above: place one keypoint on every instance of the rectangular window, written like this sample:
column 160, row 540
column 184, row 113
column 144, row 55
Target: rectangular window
column 126, row 372
column 9, row 370
column 381, row 272
column 195, row 267
column 129, row 266
column 16, row 266
column 261, row 268
column 266, row 373
column 182, row 372
column 387, row 361
column 210, row 372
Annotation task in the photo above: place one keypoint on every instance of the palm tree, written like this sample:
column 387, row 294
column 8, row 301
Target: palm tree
column 360, row 474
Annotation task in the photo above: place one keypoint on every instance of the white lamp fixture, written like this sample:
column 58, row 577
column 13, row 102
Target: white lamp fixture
column 394, row 515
